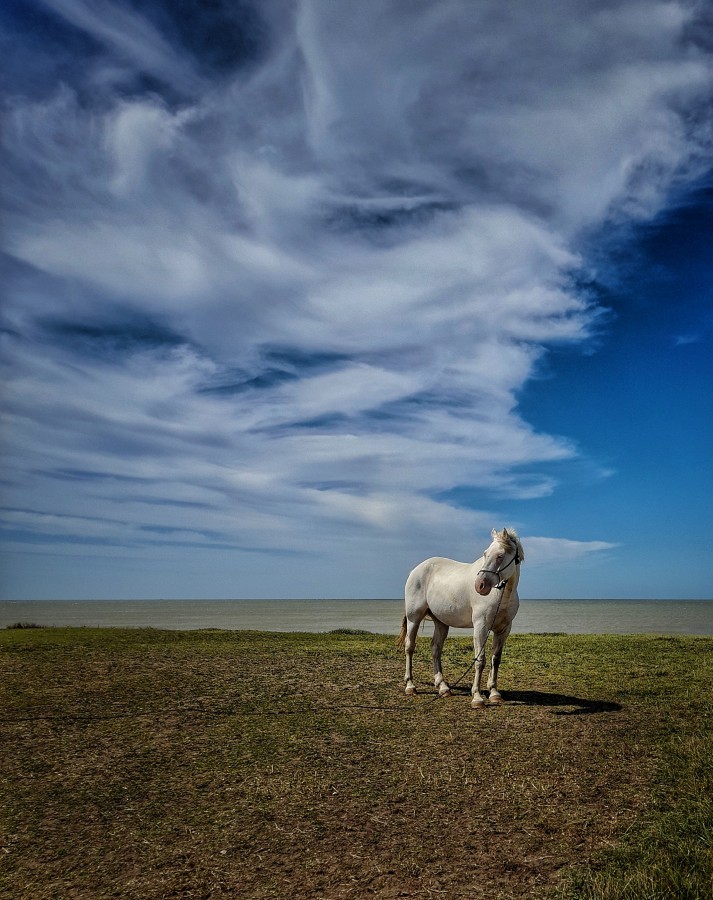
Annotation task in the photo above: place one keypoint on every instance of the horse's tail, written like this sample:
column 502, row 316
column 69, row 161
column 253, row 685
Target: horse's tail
column 401, row 639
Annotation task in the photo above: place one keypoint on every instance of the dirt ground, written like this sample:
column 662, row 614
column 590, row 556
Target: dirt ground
column 147, row 764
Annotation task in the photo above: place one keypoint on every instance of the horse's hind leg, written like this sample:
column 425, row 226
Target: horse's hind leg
column 440, row 633
column 409, row 647
column 494, row 695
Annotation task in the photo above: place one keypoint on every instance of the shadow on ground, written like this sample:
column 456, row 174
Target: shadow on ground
column 577, row 706
column 563, row 703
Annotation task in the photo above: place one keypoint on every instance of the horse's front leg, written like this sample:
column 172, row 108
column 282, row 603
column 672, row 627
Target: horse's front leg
column 497, row 651
column 440, row 633
column 480, row 636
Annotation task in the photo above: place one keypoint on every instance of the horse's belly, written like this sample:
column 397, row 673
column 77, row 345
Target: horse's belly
column 452, row 614
column 457, row 621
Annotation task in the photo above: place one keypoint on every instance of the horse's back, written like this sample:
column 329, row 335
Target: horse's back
column 435, row 565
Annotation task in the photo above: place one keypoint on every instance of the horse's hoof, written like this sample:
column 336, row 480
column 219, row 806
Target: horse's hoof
column 444, row 692
column 410, row 690
column 497, row 700
column 478, row 704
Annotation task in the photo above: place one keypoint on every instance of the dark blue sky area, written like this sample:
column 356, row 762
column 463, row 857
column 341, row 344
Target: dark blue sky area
column 641, row 404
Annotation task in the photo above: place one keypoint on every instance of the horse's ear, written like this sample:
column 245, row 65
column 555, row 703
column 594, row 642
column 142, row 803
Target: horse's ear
column 493, row 533
column 505, row 534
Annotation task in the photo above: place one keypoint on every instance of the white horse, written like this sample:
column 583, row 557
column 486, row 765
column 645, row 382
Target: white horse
column 481, row 595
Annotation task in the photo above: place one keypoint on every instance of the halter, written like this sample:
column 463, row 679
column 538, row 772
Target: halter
column 504, row 581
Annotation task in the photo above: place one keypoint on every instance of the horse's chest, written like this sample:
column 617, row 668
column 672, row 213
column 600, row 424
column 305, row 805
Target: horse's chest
column 505, row 613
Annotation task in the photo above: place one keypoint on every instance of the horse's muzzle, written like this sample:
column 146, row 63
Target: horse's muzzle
column 483, row 587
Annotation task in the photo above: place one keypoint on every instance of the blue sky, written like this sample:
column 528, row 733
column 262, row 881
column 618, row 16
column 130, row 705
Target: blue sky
column 296, row 294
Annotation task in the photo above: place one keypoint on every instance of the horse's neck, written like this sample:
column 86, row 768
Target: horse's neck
column 513, row 582
column 511, row 585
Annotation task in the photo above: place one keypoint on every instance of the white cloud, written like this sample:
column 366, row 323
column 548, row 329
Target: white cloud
column 550, row 551
column 364, row 245
column 132, row 36
column 139, row 135
column 683, row 340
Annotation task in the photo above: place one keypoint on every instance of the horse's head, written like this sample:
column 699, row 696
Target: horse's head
column 500, row 561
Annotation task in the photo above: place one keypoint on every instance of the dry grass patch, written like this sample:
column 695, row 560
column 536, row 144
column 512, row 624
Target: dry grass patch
column 149, row 764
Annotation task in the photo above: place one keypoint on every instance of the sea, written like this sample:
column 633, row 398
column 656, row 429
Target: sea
column 693, row 617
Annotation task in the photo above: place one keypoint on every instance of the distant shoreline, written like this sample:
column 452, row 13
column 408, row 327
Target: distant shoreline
column 694, row 617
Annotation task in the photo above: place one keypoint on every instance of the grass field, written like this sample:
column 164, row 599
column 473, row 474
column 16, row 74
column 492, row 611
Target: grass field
column 155, row 764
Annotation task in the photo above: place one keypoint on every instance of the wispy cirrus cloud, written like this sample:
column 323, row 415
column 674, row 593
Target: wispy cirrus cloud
column 133, row 38
column 289, row 305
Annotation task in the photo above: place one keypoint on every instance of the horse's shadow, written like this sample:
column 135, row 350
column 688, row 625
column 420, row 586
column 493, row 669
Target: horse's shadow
column 577, row 706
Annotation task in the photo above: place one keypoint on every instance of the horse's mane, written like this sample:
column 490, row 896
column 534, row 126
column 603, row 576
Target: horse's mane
column 510, row 538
